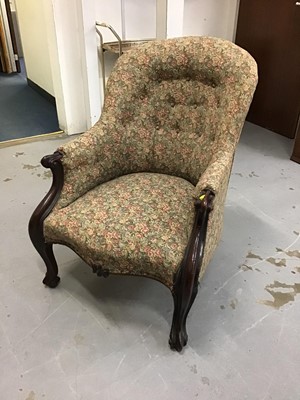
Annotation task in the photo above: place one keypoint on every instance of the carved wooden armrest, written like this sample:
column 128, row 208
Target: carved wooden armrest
column 52, row 161
column 191, row 263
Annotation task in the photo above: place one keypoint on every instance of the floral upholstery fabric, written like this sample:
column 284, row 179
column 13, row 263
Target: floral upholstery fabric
column 170, row 105
column 136, row 224
column 173, row 107
column 216, row 178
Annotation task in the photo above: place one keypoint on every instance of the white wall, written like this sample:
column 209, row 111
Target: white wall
column 32, row 23
column 161, row 18
column 185, row 17
column 109, row 11
column 175, row 20
column 211, row 18
column 135, row 19
column 72, row 44
column 138, row 22
column 60, row 49
column 140, row 19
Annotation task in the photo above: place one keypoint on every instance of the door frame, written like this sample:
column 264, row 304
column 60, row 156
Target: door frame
column 12, row 35
column 71, row 36
column 11, row 67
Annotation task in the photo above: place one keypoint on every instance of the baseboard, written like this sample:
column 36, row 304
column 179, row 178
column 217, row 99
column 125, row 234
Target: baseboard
column 29, row 139
column 295, row 158
column 41, row 91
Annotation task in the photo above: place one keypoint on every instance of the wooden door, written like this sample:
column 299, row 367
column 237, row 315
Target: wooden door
column 12, row 35
column 296, row 151
column 270, row 31
column 5, row 60
column 9, row 60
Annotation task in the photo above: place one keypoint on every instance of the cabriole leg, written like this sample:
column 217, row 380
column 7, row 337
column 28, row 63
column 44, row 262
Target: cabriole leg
column 51, row 278
column 182, row 305
column 45, row 250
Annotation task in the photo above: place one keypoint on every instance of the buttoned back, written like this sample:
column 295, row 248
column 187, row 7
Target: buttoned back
column 176, row 102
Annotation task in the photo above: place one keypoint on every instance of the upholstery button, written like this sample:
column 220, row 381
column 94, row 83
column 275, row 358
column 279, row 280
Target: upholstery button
column 157, row 127
column 172, row 103
column 188, row 78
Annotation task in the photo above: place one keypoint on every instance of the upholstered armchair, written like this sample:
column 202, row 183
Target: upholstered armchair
column 143, row 191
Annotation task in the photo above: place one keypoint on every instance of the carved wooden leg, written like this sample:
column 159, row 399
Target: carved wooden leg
column 182, row 305
column 185, row 287
column 178, row 335
column 51, row 278
column 36, row 222
column 45, row 250
column 193, row 297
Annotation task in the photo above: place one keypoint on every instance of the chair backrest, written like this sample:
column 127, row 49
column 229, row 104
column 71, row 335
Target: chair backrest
column 175, row 102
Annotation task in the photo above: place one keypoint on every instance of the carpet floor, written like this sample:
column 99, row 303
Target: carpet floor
column 23, row 111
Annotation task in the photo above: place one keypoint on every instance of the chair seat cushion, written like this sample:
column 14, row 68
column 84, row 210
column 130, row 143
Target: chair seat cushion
column 136, row 224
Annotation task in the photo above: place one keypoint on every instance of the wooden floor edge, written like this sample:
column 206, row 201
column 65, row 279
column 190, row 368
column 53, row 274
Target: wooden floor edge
column 43, row 136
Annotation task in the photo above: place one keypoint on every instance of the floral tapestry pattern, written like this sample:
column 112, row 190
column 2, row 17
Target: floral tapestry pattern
column 172, row 117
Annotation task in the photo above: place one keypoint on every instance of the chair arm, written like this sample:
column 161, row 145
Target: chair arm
column 215, row 178
column 216, row 175
column 89, row 160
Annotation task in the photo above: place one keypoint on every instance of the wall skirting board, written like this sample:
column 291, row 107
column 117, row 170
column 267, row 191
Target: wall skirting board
column 41, row 91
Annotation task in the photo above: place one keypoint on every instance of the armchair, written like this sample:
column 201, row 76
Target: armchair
column 143, row 191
